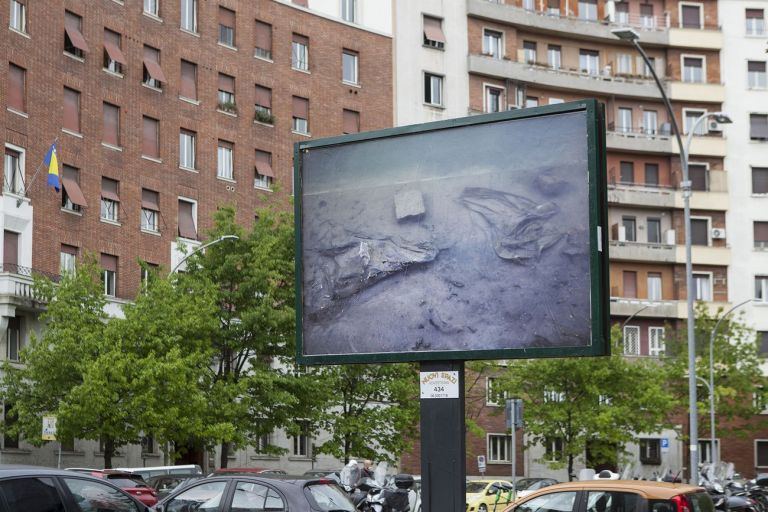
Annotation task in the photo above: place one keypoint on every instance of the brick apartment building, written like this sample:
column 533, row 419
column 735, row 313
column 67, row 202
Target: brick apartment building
column 162, row 111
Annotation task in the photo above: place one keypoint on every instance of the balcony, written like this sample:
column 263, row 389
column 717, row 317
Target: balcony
column 621, row 306
column 715, row 197
column 630, row 194
column 711, row 144
column 705, row 255
column 17, row 286
column 639, row 251
column 638, row 140
column 709, row 38
column 564, row 79
column 701, row 92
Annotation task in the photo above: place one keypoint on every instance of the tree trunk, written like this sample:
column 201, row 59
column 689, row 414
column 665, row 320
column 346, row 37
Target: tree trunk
column 346, row 448
column 224, row 455
column 109, row 451
column 570, row 468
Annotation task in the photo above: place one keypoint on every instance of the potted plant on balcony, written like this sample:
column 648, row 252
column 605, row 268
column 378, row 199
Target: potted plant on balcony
column 228, row 106
column 265, row 117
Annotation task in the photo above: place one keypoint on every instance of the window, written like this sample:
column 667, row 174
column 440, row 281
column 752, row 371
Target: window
column 556, row 101
column 110, row 200
column 301, row 441
column 624, row 64
column 625, row 120
column 760, row 180
column 433, row 89
column 74, row 42
column 689, row 121
column 71, row 120
column 702, row 284
column 493, row 396
column 111, row 129
column 187, row 149
column 700, row 231
column 348, row 10
column 528, row 5
column 187, row 219
column 758, row 127
column 761, row 453
column 705, row 449
column 629, row 280
column 622, row 13
column 627, row 170
column 148, row 271
column 205, row 496
column 350, row 121
column 654, row 286
column 756, row 76
column 188, row 86
column 264, row 175
column 250, row 496
column 98, row 496
column 225, row 160
column 762, row 339
column 697, row 174
column 300, row 52
column 226, row 27
column 17, row 88
column 150, row 210
column 148, row 440
column 264, row 105
column 531, row 101
column 529, row 52
column 349, row 66
column 553, row 8
column 553, row 449
column 152, row 7
column 654, row 231
column 226, row 94
column 656, row 345
column 631, row 340
column 650, row 451
column 433, row 32
column 10, row 252
column 493, row 99
column 589, row 61
column 499, row 448
column 761, row 288
column 554, row 396
column 588, row 9
column 153, row 74
column 18, row 20
column 492, row 44
column 554, row 56
column 31, row 493
column 650, row 122
column 189, row 15
column 114, row 60
column 72, row 198
column 647, row 72
column 263, row 442
column 651, row 175
column 693, row 70
column 630, row 228
column 755, row 22
column 150, row 145
column 13, row 171
column 690, row 16
column 263, row 47
column 647, row 21
column 761, row 234
column 109, row 274
column 300, row 115
column 67, row 259
column 13, row 338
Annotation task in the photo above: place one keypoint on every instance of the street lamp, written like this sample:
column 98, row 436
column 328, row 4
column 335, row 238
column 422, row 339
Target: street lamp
column 212, row 242
column 711, row 386
column 629, row 35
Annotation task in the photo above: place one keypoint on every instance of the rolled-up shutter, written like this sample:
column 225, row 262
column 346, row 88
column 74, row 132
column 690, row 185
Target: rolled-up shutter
column 187, row 221
column 264, row 164
column 111, row 133
column 109, row 262
column 263, row 96
column 264, row 36
column 150, row 200
column 226, row 83
column 16, row 87
column 150, row 137
column 188, row 86
column 351, row 121
column 109, row 188
column 300, row 107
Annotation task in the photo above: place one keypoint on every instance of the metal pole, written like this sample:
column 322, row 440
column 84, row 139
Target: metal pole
column 514, row 452
column 221, row 239
column 712, row 337
column 58, row 464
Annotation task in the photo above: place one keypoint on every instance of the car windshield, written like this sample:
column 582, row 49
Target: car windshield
column 525, row 483
column 330, row 498
column 125, row 482
column 475, row 487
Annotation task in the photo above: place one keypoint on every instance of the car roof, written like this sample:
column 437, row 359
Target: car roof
column 648, row 488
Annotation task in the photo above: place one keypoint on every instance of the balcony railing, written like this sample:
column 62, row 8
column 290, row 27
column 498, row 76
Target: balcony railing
column 17, row 281
column 632, row 20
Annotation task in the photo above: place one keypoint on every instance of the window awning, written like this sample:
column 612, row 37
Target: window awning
column 186, row 221
column 114, row 52
column 263, row 166
column 154, row 70
column 432, row 29
column 109, row 189
column 76, row 38
column 149, row 200
column 73, row 189
column 109, row 262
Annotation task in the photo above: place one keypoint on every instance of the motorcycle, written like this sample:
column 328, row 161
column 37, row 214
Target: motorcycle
column 712, row 479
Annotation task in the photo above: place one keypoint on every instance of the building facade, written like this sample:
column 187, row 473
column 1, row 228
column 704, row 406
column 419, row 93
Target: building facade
column 161, row 112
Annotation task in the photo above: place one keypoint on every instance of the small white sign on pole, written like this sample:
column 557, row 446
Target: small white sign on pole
column 439, row 384
column 664, row 444
column 481, row 464
column 49, row 428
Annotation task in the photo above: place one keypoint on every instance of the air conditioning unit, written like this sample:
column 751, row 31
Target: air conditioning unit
column 718, row 233
column 714, row 126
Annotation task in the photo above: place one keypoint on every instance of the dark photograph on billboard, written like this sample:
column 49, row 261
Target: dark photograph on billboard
column 470, row 238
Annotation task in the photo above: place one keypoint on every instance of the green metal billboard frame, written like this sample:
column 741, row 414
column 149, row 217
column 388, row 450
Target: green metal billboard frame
column 598, row 238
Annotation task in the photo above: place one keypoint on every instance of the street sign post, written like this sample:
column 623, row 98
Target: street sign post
column 481, row 464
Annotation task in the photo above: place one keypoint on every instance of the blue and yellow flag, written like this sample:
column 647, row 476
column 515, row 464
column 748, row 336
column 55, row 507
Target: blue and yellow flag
column 52, row 161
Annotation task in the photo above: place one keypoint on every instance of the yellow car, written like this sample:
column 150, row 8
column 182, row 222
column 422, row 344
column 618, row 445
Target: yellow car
column 488, row 495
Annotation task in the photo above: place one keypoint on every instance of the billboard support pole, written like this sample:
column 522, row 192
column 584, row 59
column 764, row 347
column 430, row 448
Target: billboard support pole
column 443, row 444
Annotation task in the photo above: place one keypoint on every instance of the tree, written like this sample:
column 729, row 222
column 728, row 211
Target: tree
column 370, row 411
column 595, row 403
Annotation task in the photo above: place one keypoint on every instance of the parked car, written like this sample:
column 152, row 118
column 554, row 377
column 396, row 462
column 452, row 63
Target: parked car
column 319, row 473
column 526, row 486
column 487, row 495
column 35, row 489
column 164, row 484
column 248, row 471
column 149, row 471
column 616, row 496
column 130, row 483
column 254, row 492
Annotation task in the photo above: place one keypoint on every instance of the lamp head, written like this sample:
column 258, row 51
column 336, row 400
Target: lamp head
column 722, row 118
column 626, row 34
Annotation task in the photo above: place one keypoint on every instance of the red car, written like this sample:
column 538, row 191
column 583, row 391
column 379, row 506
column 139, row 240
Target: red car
column 132, row 484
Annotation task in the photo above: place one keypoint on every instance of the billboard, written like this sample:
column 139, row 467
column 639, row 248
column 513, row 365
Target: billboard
column 476, row 238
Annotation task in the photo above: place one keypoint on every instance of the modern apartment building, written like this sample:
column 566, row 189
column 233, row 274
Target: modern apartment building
column 162, row 111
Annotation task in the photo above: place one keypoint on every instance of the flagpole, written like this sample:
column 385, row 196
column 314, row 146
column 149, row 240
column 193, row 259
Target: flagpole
column 34, row 176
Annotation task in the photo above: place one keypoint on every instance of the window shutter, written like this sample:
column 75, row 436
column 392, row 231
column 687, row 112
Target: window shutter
column 109, row 189
column 264, row 164
column 112, row 45
column 760, row 180
column 186, row 221
column 758, row 126
column 699, row 232
column 351, row 121
column 72, row 28
column 226, row 17
column 691, row 16
column 150, row 140
column 69, row 249
column 111, row 133
column 188, row 86
column 753, row 14
column 152, row 63
column 756, row 66
column 109, row 262
column 298, row 38
column 264, row 96
column 646, row 9
column 226, row 83
column 150, row 200
column 10, row 250
column 264, row 36
column 71, row 110
column 69, row 180
column 698, row 176
column 761, row 231
column 16, row 87
column 630, row 284
column 300, row 107
column 433, row 29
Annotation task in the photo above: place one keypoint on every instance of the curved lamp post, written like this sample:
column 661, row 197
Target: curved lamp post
column 629, row 35
column 197, row 250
